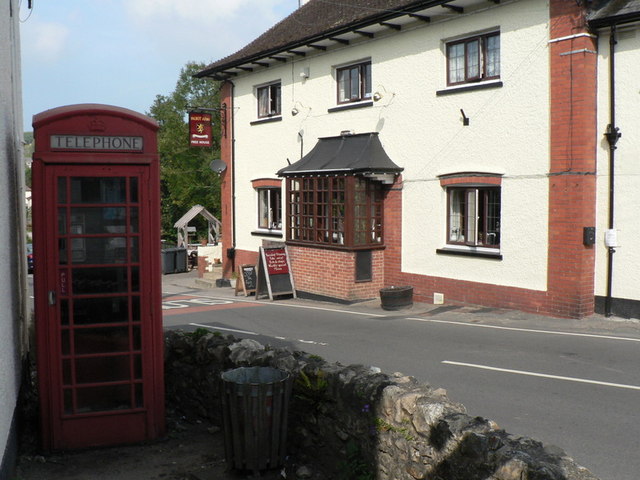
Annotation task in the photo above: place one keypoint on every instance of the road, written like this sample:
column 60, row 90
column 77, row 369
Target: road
column 578, row 387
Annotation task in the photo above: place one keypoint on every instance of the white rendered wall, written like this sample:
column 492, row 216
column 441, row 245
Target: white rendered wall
column 626, row 269
column 13, row 259
column 423, row 132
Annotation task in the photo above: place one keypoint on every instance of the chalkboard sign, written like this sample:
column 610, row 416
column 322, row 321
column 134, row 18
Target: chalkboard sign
column 247, row 279
column 274, row 273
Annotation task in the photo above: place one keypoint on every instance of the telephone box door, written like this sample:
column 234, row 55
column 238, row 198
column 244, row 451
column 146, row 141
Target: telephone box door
column 95, row 303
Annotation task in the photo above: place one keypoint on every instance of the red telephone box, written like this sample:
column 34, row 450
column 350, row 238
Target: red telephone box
column 96, row 229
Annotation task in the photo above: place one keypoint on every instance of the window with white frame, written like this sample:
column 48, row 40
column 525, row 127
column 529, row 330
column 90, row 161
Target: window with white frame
column 354, row 82
column 270, row 208
column 474, row 216
column 269, row 100
column 473, row 59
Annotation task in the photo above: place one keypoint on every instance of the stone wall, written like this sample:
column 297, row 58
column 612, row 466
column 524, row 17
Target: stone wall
column 355, row 422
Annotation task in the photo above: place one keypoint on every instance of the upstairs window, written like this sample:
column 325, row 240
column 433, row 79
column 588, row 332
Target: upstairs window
column 473, row 59
column 269, row 100
column 354, row 83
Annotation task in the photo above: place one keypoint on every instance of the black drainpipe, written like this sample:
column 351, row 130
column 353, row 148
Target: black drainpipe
column 612, row 135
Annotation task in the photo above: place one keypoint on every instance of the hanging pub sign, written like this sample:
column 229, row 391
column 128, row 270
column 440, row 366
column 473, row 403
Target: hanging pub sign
column 200, row 129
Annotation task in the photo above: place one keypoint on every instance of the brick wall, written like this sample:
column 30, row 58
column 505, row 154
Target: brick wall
column 331, row 273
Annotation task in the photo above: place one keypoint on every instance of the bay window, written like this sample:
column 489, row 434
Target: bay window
column 334, row 210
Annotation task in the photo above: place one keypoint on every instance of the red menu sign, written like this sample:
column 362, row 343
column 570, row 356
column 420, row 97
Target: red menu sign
column 200, row 129
column 276, row 261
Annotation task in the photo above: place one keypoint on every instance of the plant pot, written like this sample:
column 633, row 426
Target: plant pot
column 396, row 298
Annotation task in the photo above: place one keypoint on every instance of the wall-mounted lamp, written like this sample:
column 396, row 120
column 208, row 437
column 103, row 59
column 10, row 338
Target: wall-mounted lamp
column 377, row 96
column 304, row 73
column 465, row 119
column 294, row 111
column 299, row 107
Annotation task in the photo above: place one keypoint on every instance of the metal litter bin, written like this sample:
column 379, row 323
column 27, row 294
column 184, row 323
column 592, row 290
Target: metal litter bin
column 168, row 260
column 181, row 260
column 255, row 405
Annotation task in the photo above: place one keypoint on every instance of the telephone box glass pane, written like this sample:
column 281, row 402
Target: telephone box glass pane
column 102, row 369
column 97, row 220
column 135, row 279
column 98, row 190
column 65, row 341
column 62, row 189
column 100, row 280
column 99, row 250
column 100, row 310
column 133, row 220
column 97, row 399
column 134, row 250
column 64, row 311
column 62, row 221
column 133, row 190
column 101, row 340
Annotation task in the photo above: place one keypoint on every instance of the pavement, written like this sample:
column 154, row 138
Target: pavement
column 195, row 450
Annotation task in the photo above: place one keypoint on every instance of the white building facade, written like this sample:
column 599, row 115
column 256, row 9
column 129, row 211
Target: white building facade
column 12, row 237
column 485, row 115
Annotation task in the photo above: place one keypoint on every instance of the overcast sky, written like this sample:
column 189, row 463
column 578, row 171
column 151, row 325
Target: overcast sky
column 125, row 52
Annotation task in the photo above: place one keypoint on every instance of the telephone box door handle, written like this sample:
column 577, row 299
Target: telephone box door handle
column 52, row 297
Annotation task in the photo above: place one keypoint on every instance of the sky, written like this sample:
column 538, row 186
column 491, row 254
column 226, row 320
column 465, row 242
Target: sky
column 126, row 52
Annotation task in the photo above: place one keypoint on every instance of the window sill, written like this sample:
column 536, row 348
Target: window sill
column 260, row 121
column 470, row 253
column 326, row 246
column 350, row 106
column 267, row 233
column 469, row 87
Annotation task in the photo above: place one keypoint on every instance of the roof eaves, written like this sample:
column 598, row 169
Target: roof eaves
column 333, row 32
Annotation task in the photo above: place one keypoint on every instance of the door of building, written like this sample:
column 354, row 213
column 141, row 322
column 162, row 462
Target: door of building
column 99, row 337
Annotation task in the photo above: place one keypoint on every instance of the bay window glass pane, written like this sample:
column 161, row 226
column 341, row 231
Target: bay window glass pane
column 493, row 56
column 473, row 59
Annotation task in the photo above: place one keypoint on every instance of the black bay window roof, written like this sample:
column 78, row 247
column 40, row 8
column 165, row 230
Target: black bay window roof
column 345, row 154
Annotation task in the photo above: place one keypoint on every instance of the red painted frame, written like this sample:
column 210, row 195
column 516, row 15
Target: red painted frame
column 81, row 430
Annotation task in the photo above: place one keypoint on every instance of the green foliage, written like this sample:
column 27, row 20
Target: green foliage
column 185, row 177
column 355, row 468
column 383, row 426
column 198, row 333
column 312, row 388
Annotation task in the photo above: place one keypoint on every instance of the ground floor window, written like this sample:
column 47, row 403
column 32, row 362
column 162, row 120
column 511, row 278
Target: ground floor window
column 474, row 216
column 269, row 208
column 334, row 210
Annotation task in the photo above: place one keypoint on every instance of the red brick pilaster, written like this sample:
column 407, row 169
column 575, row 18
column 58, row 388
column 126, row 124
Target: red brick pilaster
column 393, row 235
column 227, row 180
column 572, row 167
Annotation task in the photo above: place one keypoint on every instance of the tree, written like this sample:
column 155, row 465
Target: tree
column 185, row 176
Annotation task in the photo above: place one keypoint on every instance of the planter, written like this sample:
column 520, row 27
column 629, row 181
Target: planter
column 396, row 298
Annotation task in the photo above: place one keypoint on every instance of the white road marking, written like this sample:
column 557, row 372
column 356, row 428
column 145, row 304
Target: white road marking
column 222, row 328
column 190, row 302
column 543, row 375
column 246, row 332
column 526, row 330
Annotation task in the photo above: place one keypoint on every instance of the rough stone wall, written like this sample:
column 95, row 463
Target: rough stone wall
column 355, row 422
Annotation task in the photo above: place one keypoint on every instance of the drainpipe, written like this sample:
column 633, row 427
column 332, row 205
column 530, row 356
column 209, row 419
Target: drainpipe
column 612, row 135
